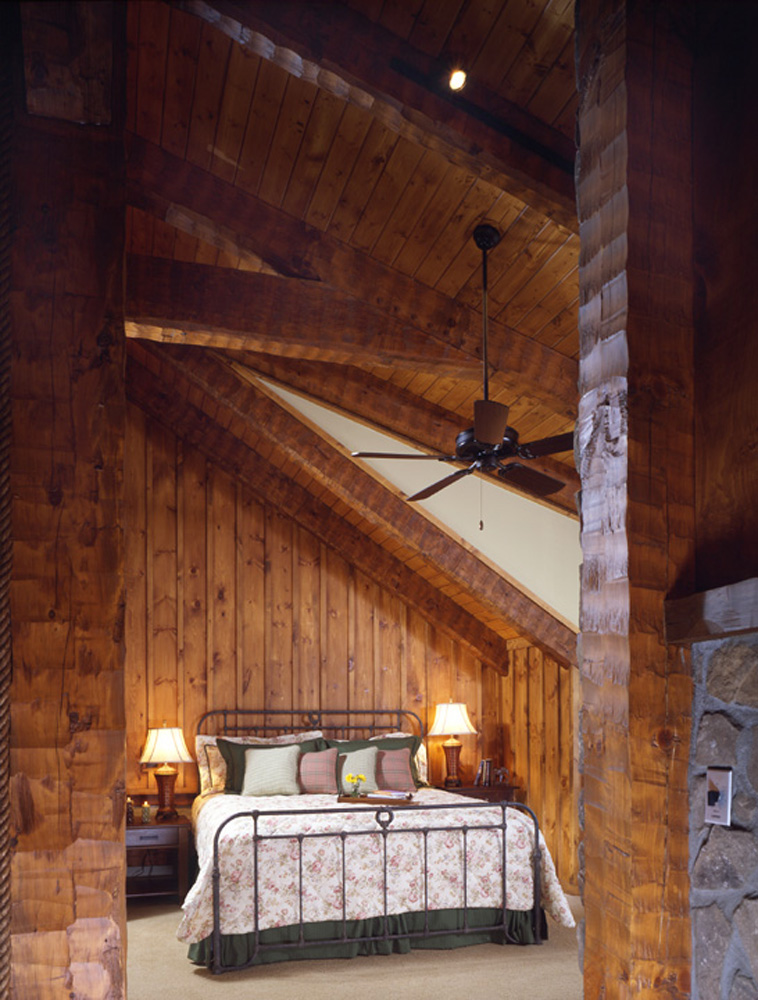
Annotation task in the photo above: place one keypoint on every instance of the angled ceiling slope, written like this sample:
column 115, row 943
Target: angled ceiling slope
column 302, row 205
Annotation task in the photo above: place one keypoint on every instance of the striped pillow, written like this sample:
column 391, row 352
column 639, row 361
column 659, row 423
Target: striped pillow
column 272, row 771
column 393, row 770
column 318, row 774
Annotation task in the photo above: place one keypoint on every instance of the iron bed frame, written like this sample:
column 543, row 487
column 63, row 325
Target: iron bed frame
column 251, row 721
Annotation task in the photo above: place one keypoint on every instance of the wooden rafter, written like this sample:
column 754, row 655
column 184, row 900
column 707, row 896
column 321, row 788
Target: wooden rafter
column 159, row 182
column 401, row 87
column 356, row 487
column 200, row 305
column 169, row 404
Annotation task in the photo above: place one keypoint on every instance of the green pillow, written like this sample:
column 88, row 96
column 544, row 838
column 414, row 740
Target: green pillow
column 271, row 770
column 383, row 743
column 234, row 755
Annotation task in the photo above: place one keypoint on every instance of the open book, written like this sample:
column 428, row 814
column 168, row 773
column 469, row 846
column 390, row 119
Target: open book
column 388, row 793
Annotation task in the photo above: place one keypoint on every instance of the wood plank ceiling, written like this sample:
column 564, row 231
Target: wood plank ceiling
column 302, row 193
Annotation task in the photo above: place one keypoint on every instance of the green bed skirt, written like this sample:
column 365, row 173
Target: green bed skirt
column 239, row 949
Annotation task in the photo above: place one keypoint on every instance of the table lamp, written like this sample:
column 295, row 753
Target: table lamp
column 165, row 746
column 451, row 718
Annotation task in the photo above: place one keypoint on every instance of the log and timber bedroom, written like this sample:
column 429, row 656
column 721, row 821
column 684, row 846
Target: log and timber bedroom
column 236, row 239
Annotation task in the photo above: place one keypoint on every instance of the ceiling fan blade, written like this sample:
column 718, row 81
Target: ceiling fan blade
column 547, row 446
column 529, row 479
column 442, row 483
column 490, row 421
column 389, row 454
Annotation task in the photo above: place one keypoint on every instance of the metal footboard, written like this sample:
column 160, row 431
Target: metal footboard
column 383, row 826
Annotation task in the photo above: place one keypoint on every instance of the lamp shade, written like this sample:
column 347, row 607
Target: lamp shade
column 451, row 719
column 165, row 746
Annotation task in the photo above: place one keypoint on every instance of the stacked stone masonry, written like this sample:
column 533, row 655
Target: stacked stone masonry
column 724, row 860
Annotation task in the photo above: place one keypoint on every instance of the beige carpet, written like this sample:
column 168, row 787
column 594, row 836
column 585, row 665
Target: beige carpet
column 157, row 967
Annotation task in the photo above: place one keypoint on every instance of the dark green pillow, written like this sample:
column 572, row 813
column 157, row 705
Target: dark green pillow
column 383, row 743
column 234, row 755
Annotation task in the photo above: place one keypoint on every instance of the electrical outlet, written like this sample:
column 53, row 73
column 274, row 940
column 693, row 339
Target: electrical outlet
column 718, row 795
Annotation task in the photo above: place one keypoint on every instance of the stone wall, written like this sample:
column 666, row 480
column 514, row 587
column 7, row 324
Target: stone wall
column 724, row 860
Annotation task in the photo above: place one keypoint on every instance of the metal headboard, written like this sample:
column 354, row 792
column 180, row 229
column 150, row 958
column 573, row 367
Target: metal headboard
column 337, row 723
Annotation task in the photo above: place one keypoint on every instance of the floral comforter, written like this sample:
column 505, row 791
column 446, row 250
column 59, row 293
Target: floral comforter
column 279, row 897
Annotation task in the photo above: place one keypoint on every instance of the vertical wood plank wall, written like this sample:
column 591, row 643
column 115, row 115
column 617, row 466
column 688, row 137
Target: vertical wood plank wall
column 230, row 603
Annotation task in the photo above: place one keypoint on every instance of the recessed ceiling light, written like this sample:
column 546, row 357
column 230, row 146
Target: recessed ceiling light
column 457, row 79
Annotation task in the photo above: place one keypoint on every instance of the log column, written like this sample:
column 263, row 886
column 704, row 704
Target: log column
column 67, row 388
column 635, row 434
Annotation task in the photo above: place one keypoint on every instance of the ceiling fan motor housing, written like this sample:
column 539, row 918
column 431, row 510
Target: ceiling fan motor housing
column 490, row 421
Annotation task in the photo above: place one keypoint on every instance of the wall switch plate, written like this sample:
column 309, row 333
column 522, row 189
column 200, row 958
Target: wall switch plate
column 718, row 795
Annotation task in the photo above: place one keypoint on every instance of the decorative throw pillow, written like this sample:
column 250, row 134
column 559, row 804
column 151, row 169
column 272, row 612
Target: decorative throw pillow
column 318, row 772
column 203, row 768
column 216, row 768
column 393, row 770
column 419, row 760
column 233, row 753
column 361, row 761
column 271, row 770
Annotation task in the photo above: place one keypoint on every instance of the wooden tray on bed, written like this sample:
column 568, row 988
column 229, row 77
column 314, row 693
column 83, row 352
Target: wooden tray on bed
column 376, row 800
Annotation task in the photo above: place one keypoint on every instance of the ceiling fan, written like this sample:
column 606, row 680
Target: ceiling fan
column 491, row 445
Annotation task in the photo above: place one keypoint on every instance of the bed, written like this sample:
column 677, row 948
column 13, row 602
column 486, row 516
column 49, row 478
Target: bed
column 292, row 865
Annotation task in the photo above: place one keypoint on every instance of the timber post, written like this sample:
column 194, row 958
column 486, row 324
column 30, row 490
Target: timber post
column 635, row 433
column 7, row 21
column 68, row 928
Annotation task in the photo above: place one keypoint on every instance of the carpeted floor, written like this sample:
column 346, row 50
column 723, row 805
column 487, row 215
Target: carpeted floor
column 157, row 967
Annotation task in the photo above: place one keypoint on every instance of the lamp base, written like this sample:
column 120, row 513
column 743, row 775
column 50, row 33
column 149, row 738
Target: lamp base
column 452, row 748
column 165, row 778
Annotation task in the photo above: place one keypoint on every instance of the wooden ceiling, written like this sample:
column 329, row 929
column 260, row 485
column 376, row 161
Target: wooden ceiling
column 302, row 190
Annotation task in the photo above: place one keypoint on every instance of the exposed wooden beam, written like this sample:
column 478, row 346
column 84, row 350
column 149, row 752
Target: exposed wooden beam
column 327, row 465
column 363, row 63
column 169, row 405
column 202, row 305
column 713, row 614
column 400, row 413
column 159, row 182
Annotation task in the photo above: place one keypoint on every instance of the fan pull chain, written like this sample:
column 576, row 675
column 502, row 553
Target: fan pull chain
column 481, row 511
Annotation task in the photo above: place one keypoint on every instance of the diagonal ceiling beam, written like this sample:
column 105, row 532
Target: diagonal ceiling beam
column 381, row 404
column 327, row 465
column 169, row 405
column 160, row 183
column 202, row 305
column 363, row 63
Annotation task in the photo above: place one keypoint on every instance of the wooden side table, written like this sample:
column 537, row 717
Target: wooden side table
column 158, row 858
column 490, row 793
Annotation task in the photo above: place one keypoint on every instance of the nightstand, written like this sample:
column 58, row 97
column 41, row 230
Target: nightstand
column 158, row 858
column 490, row 793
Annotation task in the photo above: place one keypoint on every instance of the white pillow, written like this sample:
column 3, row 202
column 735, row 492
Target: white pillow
column 358, row 762
column 271, row 772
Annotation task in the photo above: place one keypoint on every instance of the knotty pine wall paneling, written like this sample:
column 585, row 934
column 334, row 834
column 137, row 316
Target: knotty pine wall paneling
column 231, row 603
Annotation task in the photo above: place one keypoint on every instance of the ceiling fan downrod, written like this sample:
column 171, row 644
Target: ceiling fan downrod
column 490, row 418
